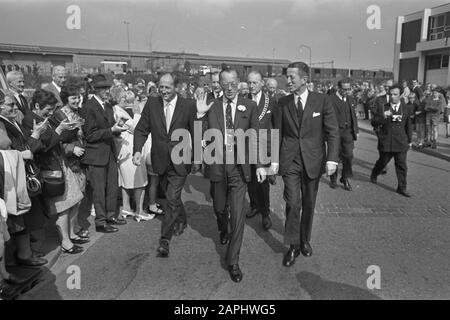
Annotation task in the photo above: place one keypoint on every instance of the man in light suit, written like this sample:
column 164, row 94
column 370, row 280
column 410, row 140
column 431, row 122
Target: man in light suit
column 306, row 121
column 230, row 176
column 59, row 77
column 100, row 156
column 161, row 117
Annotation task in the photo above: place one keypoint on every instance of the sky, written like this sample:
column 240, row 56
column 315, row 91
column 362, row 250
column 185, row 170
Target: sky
column 239, row 28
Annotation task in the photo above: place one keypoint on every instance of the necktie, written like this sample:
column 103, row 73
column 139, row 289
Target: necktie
column 299, row 110
column 168, row 116
column 229, row 116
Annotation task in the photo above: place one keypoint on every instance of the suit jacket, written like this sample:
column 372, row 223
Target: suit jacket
column 265, row 116
column 393, row 136
column 319, row 125
column 51, row 88
column 339, row 107
column 214, row 119
column 153, row 121
column 210, row 97
column 97, row 132
column 419, row 93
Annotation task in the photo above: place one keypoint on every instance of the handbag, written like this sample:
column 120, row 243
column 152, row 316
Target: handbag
column 53, row 181
column 34, row 185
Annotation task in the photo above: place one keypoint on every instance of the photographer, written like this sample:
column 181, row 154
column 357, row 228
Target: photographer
column 394, row 138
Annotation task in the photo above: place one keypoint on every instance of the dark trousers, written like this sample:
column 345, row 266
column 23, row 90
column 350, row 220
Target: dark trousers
column 105, row 188
column 300, row 193
column 84, row 211
column 346, row 153
column 259, row 194
column 400, row 166
column 173, row 185
column 230, row 191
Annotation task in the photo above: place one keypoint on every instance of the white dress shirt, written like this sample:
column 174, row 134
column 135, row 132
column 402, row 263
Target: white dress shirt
column 169, row 107
column 303, row 98
column 257, row 97
column 233, row 113
column 56, row 86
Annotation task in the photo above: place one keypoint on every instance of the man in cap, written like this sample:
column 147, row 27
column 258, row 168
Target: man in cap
column 99, row 129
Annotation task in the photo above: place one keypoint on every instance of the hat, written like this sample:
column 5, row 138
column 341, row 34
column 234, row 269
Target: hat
column 100, row 81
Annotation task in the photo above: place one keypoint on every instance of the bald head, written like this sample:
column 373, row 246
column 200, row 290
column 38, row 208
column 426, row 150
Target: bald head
column 167, row 85
column 271, row 85
column 59, row 75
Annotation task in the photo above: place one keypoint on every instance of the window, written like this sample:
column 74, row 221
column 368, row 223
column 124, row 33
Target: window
column 438, row 26
column 445, row 58
column 437, row 61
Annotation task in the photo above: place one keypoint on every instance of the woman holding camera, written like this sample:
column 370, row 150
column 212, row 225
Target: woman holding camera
column 61, row 190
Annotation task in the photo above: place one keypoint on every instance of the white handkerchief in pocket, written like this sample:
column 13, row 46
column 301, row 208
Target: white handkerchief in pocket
column 316, row 114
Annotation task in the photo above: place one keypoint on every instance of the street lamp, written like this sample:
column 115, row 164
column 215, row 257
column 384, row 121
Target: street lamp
column 309, row 48
column 349, row 56
column 128, row 41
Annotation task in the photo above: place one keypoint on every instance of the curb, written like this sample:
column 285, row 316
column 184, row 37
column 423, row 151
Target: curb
column 425, row 151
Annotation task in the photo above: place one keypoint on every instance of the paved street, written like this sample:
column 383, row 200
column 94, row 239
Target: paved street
column 407, row 238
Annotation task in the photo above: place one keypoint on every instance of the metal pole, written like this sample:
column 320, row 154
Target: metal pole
column 128, row 41
column 349, row 56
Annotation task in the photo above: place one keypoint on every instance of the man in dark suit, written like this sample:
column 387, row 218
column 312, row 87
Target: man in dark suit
column 16, row 84
column 59, row 77
column 100, row 155
column 216, row 88
column 380, row 101
column 231, row 171
column 394, row 138
column 161, row 117
column 344, row 106
column 305, row 120
column 259, row 193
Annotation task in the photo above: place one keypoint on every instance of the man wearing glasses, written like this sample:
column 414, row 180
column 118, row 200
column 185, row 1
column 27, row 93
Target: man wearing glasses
column 344, row 105
column 230, row 175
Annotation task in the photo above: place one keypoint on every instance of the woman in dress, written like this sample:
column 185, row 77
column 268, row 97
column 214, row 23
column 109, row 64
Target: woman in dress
column 132, row 179
column 51, row 160
column 73, row 148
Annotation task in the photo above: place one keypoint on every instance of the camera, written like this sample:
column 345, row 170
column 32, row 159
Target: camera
column 397, row 118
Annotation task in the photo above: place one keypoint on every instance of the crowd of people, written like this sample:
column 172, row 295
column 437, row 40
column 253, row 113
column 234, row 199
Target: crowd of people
column 102, row 148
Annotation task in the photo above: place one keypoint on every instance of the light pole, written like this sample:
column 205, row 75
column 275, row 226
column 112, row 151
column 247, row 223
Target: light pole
column 128, row 41
column 349, row 56
column 309, row 48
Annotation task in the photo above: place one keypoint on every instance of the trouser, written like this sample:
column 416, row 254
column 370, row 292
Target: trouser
column 230, row 191
column 175, row 213
column 85, row 208
column 400, row 166
column 300, row 193
column 259, row 194
column 105, row 188
column 345, row 155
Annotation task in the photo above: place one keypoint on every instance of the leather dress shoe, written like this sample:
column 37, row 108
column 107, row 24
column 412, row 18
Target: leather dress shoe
column 333, row 178
column 266, row 222
column 252, row 213
column 163, row 249
column 289, row 257
column 373, row 179
column 106, row 228
column 346, row 184
column 116, row 221
column 235, row 273
column 224, row 238
column 32, row 261
column 305, row 249
column 403, row 192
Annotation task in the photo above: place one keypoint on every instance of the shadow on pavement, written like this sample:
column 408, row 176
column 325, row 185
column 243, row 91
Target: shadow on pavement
column 200, row 184
column 267, row 236
column 201, row 218
column 321, row 289
column 44, row 288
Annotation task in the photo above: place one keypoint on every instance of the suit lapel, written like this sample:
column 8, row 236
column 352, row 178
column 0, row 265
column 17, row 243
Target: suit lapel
column 292, row 109
column 176, row 112
column 100, row 109
column 160, row 112
column 218, row 109
column 309, row 107
column 238, row 114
